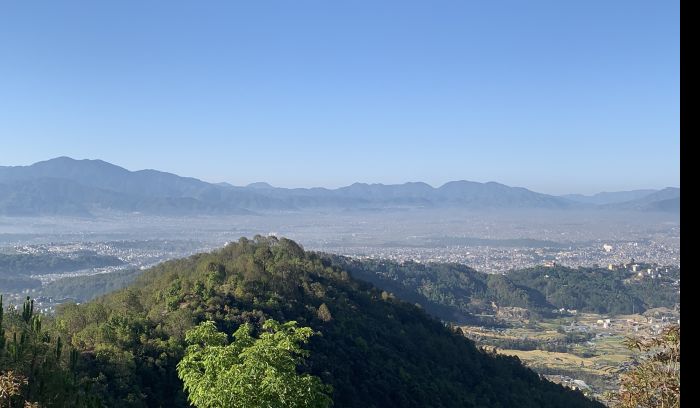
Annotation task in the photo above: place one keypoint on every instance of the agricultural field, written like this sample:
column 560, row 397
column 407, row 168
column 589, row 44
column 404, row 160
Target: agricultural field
column 585, row 351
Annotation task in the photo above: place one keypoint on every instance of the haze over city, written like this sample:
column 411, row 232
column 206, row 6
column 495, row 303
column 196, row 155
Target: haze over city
column 352, row 204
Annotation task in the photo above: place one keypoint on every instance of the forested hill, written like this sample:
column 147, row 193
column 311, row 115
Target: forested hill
column 455, row 292
column 375, row 350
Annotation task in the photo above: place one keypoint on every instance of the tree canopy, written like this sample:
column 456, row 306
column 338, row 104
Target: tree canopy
column 250, row 372
column 456, row 292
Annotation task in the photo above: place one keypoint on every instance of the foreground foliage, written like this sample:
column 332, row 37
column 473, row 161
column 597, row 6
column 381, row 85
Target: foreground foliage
column 656, row 381
column 249, row 372
column 35, row 365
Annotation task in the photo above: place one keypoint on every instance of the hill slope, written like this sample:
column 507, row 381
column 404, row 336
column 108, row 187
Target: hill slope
column 376, row 351
column 455, row 292
column 609, row 197
column 668, row 200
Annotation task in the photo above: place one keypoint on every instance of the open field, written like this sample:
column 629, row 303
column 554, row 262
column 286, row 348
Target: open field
column 585, row 351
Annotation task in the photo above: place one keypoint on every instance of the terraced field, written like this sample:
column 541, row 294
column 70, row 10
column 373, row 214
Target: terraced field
column 585, row 351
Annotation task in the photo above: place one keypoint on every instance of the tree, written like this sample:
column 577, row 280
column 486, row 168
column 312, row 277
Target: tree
column 656, row 381
column 324, row 313
column 250, row 372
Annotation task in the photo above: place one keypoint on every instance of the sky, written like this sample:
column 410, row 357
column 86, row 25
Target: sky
column 556, row 96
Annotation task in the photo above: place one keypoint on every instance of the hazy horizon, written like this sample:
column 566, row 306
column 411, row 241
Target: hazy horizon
column 556, row 97
column 336, row 186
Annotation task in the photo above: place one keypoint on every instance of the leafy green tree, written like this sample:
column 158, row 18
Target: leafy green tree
column 250, row 372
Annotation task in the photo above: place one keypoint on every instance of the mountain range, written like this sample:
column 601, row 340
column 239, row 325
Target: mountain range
column 65, row 186
column 610, row 197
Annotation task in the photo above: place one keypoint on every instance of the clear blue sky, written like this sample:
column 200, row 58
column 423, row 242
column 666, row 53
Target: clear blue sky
column 556, row 96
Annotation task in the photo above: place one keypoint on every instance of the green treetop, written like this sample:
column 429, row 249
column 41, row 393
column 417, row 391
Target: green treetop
column 250, row 372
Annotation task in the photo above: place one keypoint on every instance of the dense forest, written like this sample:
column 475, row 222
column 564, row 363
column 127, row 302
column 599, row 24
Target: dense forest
column 455, row 292
column 372, row 349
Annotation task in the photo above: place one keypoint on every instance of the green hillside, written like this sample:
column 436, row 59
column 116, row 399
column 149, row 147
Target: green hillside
column 374, row 350
column 455, row 292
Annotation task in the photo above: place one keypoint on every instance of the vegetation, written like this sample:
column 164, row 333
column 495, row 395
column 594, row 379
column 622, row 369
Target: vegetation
column 656, row 381
column 596, row 290
column 456, row 292
column 10, row 386
column 123, row 349
column 16, row 268
column 35, row 365
column 25, row 264
column 249, row 372
column 83, row 288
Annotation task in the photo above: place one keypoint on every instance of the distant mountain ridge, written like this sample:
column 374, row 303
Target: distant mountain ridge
column 66, row 186
column 609, row 197
column 668, row 199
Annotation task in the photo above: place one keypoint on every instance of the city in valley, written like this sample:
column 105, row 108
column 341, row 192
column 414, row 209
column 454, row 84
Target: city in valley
column 581, row 350
column 491, row 242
